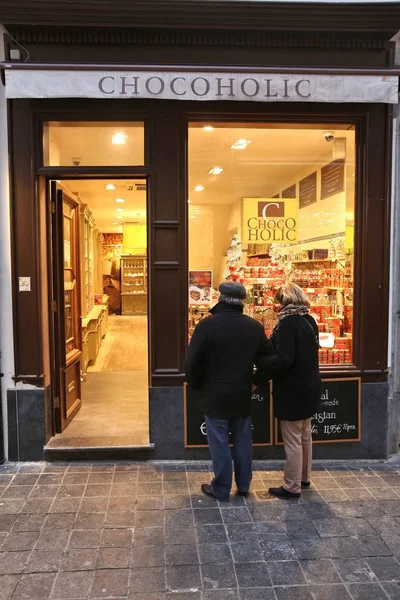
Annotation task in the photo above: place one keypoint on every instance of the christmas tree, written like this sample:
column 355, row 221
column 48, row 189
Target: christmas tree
column 234, row 257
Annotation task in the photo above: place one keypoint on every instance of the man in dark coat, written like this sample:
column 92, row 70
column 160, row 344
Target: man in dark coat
column 219, row 366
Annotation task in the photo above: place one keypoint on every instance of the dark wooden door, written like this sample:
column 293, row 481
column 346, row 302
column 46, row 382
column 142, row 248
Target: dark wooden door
column 67, row 310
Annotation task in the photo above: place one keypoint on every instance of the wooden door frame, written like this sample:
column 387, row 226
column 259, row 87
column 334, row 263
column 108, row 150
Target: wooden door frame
column 63, row 174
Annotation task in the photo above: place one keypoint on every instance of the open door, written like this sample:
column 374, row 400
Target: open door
column 66, row 305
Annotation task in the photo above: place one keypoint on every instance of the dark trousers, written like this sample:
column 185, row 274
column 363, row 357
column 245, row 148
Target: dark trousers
column 218, row 440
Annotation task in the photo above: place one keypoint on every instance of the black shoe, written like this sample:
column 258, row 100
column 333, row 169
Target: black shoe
column 305, row 484
column 280, row 492
column 207, row 490
column 240, row 493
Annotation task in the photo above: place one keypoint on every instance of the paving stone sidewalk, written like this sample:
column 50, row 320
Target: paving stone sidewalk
column 145, row 532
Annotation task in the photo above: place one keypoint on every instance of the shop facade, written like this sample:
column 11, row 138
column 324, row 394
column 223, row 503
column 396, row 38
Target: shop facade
column 325, row 103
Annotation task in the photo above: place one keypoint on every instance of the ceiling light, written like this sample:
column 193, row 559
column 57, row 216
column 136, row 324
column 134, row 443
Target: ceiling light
column 110, row 186
column 240, row 144
column 120, row 210
column 199, row 188
column 120, row 217
column 120, row 200
column 119, row 138
column 208, row 128
column 115, row 223
column 215, row 171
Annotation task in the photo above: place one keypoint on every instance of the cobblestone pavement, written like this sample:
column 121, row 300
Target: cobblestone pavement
column 145, row 532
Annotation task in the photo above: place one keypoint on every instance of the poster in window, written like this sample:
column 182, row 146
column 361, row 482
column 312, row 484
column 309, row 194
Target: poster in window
column 308, row 190
column 332, row 179
column 289, row 192
column 200, row 284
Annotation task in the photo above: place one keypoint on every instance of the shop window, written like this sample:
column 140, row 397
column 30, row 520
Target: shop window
column 70, row 144
column 270, row 203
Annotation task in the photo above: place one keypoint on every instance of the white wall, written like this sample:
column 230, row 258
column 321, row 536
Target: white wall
column 6, row 315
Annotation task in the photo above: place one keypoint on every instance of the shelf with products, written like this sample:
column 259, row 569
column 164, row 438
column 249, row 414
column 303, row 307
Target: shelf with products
column 312, row 261
column 134, row 284
column 328, row 281
column 197, row 313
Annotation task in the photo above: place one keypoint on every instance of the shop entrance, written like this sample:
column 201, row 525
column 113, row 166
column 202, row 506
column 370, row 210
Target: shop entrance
column 100, row 307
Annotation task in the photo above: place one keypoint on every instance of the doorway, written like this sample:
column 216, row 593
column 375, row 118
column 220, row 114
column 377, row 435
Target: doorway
column 100, row 303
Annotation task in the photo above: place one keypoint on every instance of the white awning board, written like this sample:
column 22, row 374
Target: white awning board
column 255, row 87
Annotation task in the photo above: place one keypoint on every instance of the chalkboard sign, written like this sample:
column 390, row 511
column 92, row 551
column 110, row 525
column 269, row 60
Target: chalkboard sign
column 339, row 416
column 332, row 179
column 261, row 413
column 308, row 190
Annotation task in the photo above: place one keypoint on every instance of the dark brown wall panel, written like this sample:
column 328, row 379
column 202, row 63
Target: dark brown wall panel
column 26, row 252
column 166, row 247
column 167, row 321
column 168, row 300
column 372, row 238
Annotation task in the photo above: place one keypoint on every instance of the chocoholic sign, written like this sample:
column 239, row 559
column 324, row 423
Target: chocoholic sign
column 270, row 220
column 198, row 85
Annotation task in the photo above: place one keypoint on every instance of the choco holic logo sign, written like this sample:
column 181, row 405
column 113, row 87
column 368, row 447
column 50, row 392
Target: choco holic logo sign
column 270, row 220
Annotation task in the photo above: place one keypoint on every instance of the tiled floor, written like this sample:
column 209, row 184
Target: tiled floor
column 115, row 402
column 144, row 532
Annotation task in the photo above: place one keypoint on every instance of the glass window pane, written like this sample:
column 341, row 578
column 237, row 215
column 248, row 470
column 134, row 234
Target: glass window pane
column 93, row 144
column 270, row 203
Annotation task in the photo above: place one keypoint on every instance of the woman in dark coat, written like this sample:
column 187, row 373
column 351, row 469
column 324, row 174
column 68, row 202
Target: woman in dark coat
column 296, row 385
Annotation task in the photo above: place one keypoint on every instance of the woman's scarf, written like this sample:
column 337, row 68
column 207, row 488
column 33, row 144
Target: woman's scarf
column 293, row 309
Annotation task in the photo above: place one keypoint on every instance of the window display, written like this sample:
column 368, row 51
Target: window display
column 278, row 209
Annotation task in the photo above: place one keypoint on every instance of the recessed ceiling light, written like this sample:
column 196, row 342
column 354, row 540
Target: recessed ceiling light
column 120, row 210
column 120, row 217
column 215, row 170
column 199, row 188
column 110, row 186
column 115, row 223
column 120, row 200
column 240, row 144
column 119, row 138
column 208, row 128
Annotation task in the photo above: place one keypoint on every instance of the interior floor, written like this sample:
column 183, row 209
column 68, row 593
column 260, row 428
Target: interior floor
column 115, row 405
column 124, row 348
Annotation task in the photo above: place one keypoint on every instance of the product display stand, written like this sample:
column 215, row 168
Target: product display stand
column 134, row 284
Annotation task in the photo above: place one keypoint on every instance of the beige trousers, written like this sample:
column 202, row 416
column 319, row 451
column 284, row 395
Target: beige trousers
column 298, row 449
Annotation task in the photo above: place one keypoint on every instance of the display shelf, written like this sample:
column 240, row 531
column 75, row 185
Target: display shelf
column 260, row 280
column 317, row 260
column 134, row 284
